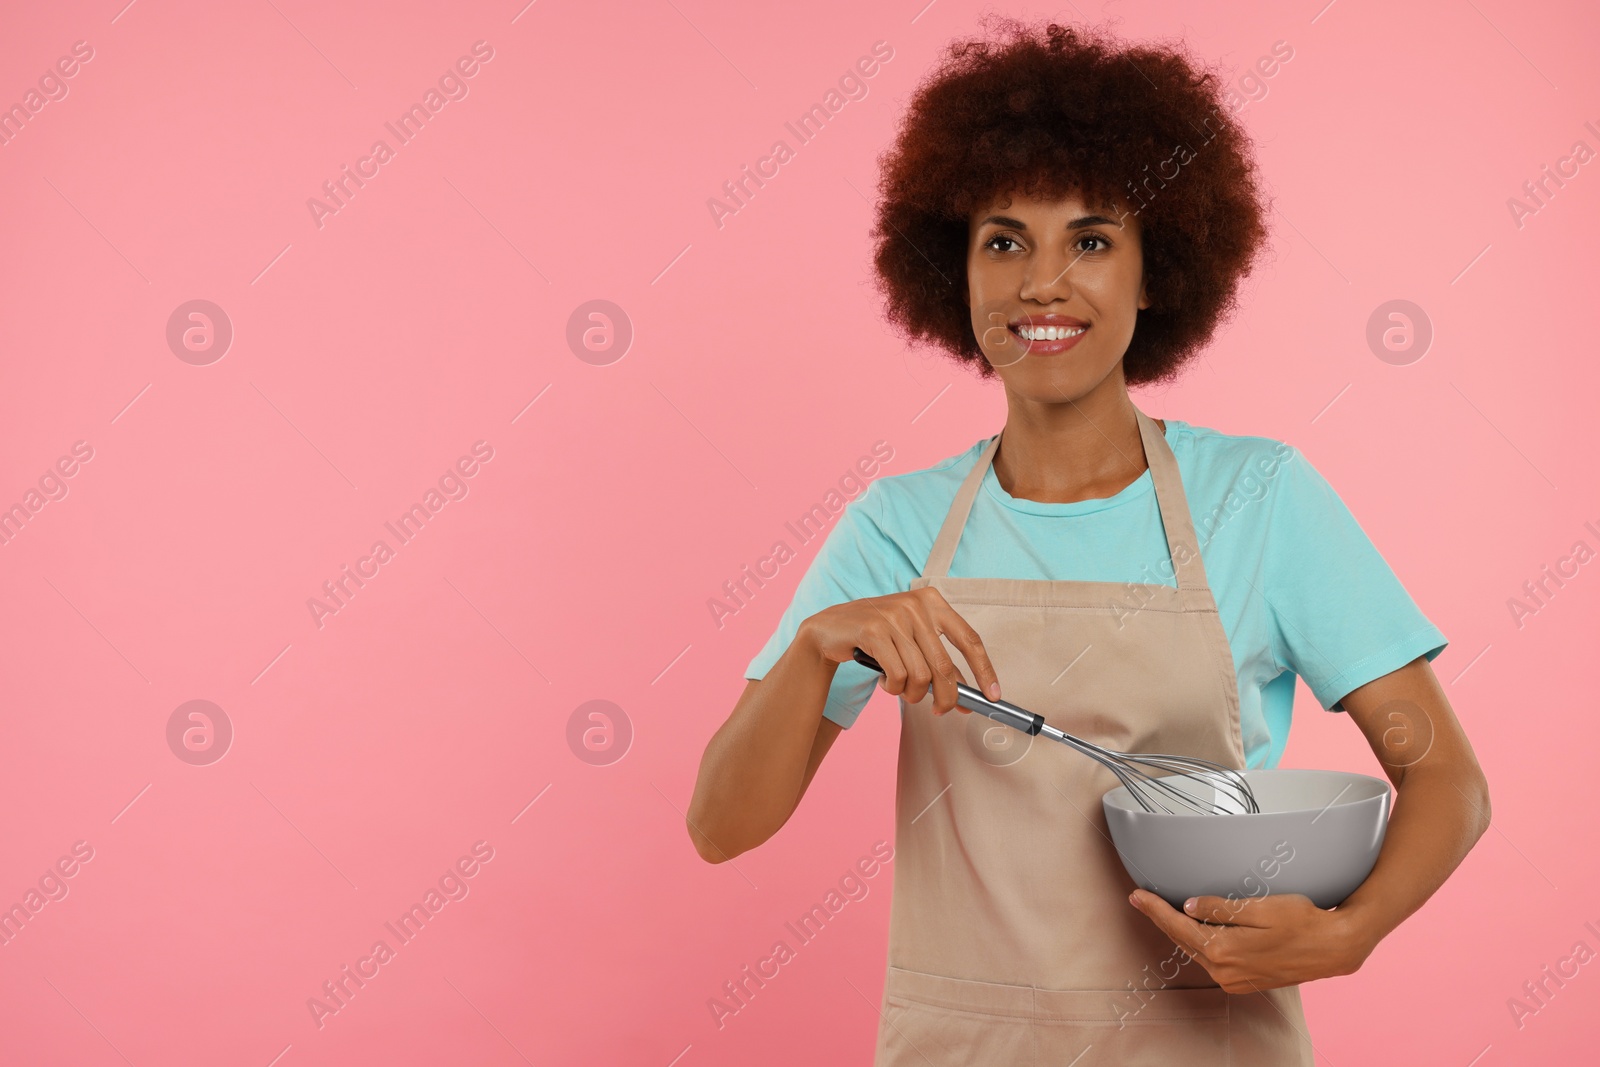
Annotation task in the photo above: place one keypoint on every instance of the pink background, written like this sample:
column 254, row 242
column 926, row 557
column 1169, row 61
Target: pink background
column 369, row 354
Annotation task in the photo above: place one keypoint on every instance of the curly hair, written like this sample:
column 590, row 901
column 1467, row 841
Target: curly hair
column 1045, row 112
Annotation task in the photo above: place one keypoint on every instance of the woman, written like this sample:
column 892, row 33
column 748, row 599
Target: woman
column 1071, row 218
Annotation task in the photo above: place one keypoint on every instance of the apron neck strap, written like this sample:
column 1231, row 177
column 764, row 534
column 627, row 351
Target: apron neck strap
column 1174, row 507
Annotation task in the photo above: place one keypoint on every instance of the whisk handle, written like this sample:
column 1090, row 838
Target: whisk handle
column 967, row 697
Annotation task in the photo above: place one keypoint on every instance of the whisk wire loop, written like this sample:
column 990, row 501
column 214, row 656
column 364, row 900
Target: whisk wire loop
column 1230, row 792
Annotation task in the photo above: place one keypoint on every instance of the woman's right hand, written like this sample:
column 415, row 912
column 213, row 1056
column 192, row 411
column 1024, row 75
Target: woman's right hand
column 901, row 631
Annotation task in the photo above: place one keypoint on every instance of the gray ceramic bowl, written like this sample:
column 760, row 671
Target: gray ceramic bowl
column 1318, row 833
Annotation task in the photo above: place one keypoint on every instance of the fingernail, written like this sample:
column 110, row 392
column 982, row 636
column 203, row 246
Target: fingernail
column 994, row 690
column 1133, row 898
column 1189, row 904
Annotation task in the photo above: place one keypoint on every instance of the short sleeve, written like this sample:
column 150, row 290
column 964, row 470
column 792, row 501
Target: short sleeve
column 1339, row 615
column 856, row 560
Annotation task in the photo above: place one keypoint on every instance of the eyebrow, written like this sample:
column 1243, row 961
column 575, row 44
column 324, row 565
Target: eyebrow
column 1075, row 224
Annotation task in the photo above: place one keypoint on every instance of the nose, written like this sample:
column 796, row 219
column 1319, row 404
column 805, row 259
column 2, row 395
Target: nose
column 1047, row 276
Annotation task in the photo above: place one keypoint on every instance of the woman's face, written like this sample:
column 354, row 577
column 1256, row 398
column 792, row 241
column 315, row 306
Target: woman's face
column 1055, row 288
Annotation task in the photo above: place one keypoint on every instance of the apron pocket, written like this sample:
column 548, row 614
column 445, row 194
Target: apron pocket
column 936, row 1020
column 929, row 1019
column 1158, row 1028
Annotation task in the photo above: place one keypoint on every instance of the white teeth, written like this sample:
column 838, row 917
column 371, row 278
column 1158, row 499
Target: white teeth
column 1049, row 333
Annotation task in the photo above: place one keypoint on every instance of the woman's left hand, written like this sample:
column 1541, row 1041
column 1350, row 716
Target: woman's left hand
column 1264, row 942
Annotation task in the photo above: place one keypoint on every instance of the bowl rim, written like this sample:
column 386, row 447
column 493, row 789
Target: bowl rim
column 1379, row 791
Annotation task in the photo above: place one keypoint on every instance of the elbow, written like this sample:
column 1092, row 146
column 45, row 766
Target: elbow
column 1473, row 789
column 704, row 845
column 1484, row 812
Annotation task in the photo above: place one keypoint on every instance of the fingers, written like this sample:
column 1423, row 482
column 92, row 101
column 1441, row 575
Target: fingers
column 945, row 676
column 912, row 624
column 1181, row 929
column 910, row 675
column 964, row 637
column 882, row 647
column 1261, row 911
column 919, row 673
column 901, row 623
column 1237, row 911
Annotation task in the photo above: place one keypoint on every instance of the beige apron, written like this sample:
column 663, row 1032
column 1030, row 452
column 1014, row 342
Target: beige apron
column 1011, row 938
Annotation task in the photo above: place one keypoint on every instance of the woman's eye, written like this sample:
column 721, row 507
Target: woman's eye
column 1003, row 243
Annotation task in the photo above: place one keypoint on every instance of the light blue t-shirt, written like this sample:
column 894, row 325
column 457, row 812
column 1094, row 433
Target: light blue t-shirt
column 1300, row 587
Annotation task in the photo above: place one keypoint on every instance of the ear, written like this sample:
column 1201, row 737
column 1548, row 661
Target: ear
column 1144, row 295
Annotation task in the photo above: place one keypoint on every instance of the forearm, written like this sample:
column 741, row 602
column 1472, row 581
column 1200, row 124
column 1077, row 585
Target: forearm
column 1440, row 811
column 754, row 767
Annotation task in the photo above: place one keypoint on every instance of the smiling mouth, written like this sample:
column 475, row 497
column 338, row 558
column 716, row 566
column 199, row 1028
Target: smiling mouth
column 1047, row 333
column 1047, row 338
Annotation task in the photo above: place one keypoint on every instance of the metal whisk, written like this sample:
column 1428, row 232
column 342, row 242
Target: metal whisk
column 1229, row 793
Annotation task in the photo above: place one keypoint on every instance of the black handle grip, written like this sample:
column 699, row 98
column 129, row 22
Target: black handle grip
column 866, row 660
column 969, row 698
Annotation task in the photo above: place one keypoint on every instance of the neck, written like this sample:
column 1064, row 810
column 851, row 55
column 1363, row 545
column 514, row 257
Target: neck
column 1083, row 449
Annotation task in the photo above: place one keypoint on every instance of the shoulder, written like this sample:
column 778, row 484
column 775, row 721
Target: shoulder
column 1236, row 480
column 1214, row 452
column 932, row 486
column 905, row 510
